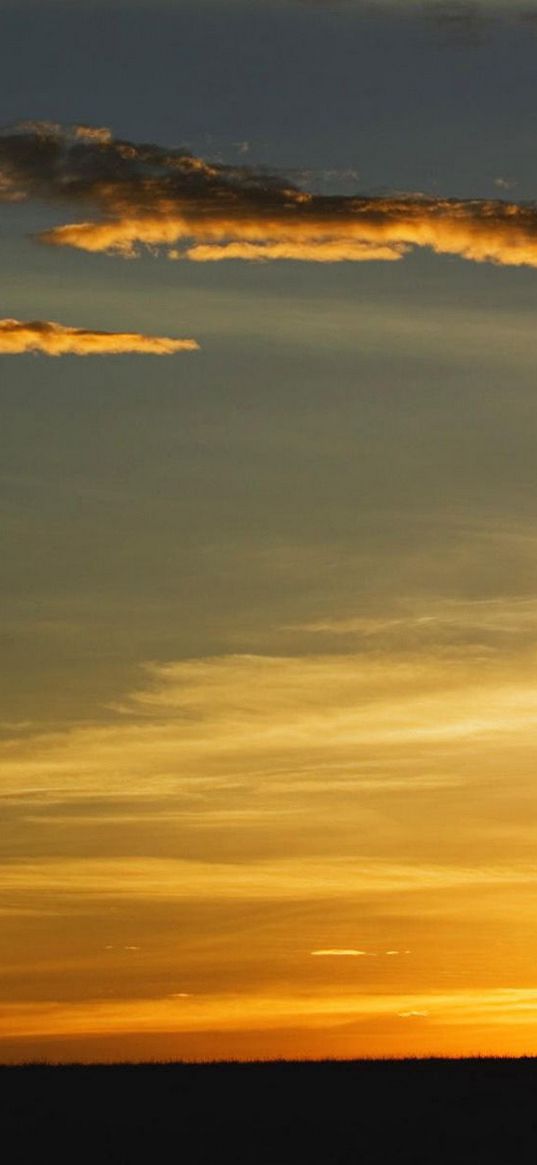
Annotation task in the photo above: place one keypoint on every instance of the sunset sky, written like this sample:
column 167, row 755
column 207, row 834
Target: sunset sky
column 268, row 468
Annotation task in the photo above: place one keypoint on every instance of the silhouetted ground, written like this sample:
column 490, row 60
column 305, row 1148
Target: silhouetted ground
column 366, row 1113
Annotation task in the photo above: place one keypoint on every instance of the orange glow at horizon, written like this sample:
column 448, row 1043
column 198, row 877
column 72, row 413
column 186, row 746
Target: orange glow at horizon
column 231, row 765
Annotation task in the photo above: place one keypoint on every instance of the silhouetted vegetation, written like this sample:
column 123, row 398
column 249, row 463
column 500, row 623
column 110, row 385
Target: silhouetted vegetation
column 424, row 1112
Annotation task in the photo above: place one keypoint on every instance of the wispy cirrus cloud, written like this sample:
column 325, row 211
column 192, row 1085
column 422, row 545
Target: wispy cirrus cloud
column 18, row 337
column 262, row 730
column 455, row 1008
column 497, row 621
column 134, row 195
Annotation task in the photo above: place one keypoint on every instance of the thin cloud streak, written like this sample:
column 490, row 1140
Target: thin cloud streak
column 498, row 618
column 98, row 881
column 339, row 953
column 52, row 339
column 224, row 1012
column 147, row 196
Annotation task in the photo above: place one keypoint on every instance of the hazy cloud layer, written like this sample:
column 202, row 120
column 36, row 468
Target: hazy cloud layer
column 263, row 730
column 18, row 337
column 143, row 195
column 456, row 1008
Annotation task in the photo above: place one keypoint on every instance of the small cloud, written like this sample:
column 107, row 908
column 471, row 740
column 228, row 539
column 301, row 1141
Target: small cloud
column 504, row 183
column 339, row 952
column 41, row 129
column 18, row 337
column 459, row 22
column 132, row 948
column 392, row 952
column 412, row 1014
column 93, row 133
column 179, row 995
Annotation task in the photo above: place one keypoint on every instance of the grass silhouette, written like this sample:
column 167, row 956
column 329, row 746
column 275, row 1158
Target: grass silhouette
column 416, row 1112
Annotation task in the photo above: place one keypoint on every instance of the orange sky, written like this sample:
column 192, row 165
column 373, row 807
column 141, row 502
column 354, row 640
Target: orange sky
column 301, row 856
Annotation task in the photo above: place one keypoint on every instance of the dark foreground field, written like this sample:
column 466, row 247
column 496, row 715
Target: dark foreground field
column 426, row 1112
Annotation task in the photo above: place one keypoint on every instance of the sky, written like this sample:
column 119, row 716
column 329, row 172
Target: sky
column 268, row 722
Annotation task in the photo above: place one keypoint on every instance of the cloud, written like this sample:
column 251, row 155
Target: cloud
column 339, row 953
column 93, row 133
column 274, row 726
column 462, row 22
column 228, row 747
column 458, row 21
column 136, row 196
column 495, row 621
column 262, row 1009
column 18, row 337
column 151, row 881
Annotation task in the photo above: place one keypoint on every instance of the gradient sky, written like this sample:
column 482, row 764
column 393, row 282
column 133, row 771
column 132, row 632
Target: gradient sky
column 269, row 598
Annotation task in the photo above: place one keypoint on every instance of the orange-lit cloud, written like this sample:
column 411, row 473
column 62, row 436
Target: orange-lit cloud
column 351, row 230
column 93, row 133
column 18, row 337
column 337, row 952
column 143, row 195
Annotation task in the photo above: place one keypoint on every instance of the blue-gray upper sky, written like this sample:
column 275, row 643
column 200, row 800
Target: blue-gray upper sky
column 405, row 94
column 349, row 367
